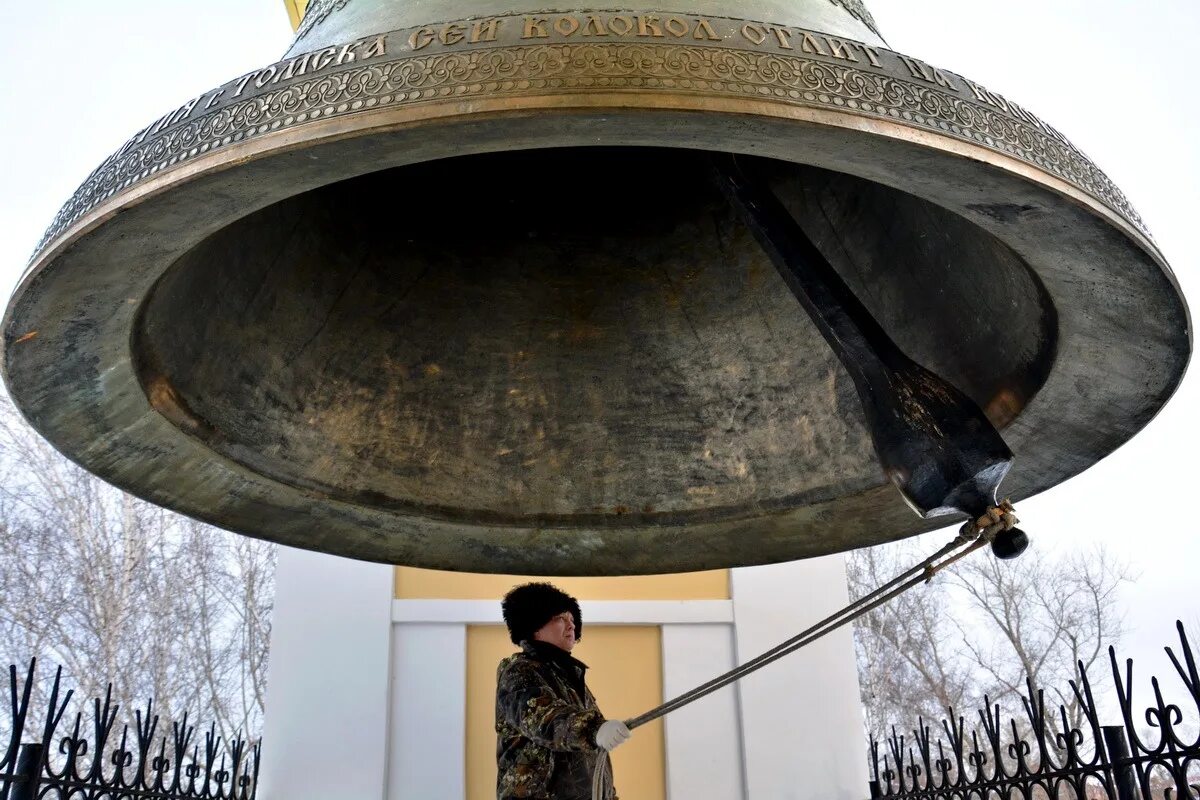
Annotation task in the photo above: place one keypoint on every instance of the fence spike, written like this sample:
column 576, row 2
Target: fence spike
column 1160, row 770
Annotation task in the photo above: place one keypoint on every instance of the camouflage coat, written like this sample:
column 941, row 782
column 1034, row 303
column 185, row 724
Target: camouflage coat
column 546, row 722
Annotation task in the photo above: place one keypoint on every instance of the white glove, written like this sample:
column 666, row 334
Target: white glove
column 612, row 734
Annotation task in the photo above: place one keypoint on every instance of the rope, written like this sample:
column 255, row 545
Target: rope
column 973, row 535
column 602, row 781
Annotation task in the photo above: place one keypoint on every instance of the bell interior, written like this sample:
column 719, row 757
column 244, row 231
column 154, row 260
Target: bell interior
column 580, row 337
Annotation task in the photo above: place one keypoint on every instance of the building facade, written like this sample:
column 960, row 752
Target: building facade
column 382, row 682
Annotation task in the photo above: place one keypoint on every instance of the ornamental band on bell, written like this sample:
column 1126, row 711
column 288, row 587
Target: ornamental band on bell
column 590, row 52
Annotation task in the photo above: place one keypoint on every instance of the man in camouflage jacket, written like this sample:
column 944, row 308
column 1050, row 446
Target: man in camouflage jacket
column 547, row 721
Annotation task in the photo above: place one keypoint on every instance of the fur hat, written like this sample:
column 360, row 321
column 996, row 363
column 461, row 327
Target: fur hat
column 528, row 607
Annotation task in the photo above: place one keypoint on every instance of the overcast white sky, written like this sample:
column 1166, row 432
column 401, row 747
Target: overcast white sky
column 1117, row 76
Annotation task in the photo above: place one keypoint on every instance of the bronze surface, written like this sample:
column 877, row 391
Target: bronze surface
column 461, row 296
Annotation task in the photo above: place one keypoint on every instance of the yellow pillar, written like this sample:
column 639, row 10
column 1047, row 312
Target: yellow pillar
column 624, row 672
column 625, row 664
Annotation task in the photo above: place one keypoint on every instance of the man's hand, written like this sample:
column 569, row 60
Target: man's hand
column 612, row 734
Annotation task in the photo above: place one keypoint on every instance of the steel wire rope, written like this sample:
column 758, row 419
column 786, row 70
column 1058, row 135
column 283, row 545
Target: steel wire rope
column 973, row 535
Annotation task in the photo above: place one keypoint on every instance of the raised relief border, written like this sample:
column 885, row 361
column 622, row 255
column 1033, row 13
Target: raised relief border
column 530, row 55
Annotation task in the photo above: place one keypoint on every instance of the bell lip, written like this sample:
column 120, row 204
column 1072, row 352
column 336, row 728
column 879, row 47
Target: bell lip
column 565, row 557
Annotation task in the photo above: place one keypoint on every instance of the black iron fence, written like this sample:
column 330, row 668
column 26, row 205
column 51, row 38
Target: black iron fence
column 61, row 760
column 1150, row 755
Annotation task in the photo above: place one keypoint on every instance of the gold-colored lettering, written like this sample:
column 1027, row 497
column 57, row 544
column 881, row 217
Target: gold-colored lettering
column 839, row 48
column 484, row 31
column 594, row 27
column 378, row 47
column 783, row 35
column 810, row 45
column 872, row 55
column 162, row 122
column 297, row 66
column 242, row 83
column 453, row 33
column 942, row 79
column 704, row 30
column 676, row 27
column 754, row 33
column 323, row 58
column 1032, row 119
column 212, row 101
column 980, row 93
column 264, row 76
column 989, row 97
column 566, row 26
column 919, row 69
column 620, row 25
column 648, row 26
column 172, row 118
column 421, row 38
column 1020, row 113
column 1053, row 131
column 347, row 52
column 184, row 111
column 535, row 28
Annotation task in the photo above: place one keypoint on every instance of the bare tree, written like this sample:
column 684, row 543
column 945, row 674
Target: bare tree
column 908, row 662
column 116, row 589
column 987, row 628
column 1042, row 617
column 230, row 598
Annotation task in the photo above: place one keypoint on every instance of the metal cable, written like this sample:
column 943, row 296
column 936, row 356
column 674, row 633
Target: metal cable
column 858, row 608
column 972, row 536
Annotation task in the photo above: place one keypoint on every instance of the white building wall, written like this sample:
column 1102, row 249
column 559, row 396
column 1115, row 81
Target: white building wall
column 326, row 727
column 428, row 712
column 351, row 697
column 801, row 716
column 704, row 740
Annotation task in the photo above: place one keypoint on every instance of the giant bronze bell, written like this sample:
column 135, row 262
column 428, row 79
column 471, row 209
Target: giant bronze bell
column 477, row 285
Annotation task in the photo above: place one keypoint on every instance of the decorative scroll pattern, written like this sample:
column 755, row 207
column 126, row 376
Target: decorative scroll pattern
column 1053, row 758
column 65, row 760
column 583, row 67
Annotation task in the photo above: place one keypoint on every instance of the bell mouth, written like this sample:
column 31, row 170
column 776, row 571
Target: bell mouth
column 589, row 338
column 1066, row 325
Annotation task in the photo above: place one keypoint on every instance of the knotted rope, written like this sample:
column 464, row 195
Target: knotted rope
column 973, row 535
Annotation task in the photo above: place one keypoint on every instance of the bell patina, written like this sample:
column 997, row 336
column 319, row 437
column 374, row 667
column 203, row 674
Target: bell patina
column 477, row 286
